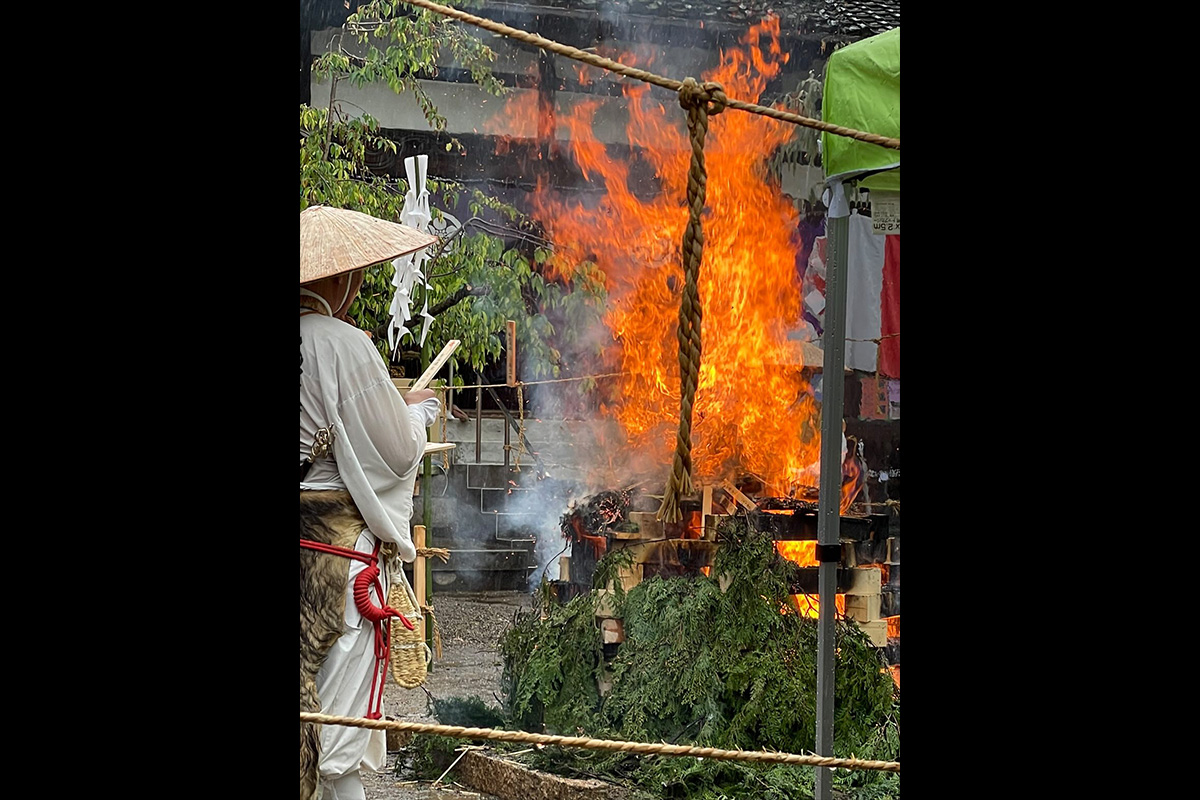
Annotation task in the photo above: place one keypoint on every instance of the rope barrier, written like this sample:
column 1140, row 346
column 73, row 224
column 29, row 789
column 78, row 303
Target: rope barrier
column 650, row 77
column 536, row 383
column 520, row 448
column 438, row 552
column 717, row 754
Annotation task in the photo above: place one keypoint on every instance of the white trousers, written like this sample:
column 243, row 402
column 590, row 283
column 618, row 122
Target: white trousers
column 343, row 787
column 344, row 686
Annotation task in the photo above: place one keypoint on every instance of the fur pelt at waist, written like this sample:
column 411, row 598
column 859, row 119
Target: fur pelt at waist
column 329, row 517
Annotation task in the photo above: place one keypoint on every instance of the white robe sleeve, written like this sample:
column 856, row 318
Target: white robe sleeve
column 378, row 454
column 425, row 413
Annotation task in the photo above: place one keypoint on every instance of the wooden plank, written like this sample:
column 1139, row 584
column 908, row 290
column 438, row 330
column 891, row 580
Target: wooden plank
column 509, row 780
column 738, row 495
column 438, row 447
column 435, row 365
column 419, row 575
column 648, row 526
column 511, row 326
column 710, row 526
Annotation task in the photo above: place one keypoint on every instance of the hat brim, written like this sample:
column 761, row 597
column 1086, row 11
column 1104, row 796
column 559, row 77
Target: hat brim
column 337, row 240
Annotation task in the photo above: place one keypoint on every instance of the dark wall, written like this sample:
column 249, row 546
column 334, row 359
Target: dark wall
column 880, row 436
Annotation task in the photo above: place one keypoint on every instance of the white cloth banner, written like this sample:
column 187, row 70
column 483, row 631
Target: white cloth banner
column 864, row 288
column 415, row 213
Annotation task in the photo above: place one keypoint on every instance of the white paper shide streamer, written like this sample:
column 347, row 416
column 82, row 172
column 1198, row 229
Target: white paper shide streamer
column 409, row 268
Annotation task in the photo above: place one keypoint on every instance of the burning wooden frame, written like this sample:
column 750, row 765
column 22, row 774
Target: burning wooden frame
column 624, row 522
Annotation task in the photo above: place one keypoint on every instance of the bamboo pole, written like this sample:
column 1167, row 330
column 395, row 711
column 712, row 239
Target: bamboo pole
column 419, row 577
column 511, row 326
column 424, row 579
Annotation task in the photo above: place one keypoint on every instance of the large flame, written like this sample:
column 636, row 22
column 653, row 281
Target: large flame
column 753, row 413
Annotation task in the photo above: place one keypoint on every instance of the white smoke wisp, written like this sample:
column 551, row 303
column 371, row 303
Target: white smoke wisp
column 541, row 509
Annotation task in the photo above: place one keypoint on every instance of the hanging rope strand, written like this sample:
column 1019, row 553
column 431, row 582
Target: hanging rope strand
column 700, row 102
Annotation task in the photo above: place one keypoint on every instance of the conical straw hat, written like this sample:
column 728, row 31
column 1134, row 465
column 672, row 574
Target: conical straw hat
column 337, row 240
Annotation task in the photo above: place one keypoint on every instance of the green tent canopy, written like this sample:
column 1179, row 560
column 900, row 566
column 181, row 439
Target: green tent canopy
column 862, row 91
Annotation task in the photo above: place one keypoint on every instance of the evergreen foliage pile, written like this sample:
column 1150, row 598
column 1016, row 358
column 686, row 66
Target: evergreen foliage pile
column 714, row 661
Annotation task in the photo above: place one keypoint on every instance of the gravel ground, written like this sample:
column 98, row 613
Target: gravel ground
column 471, row 626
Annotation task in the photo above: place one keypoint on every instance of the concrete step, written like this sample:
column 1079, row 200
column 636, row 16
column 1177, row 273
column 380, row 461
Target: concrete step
column 556, row 444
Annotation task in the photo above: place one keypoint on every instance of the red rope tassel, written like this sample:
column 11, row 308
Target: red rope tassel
column 377, row 615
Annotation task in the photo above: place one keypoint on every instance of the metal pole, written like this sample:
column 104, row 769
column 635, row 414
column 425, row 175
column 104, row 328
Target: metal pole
column 829, row 497
column 478, row 423
column 427, row 515
column 507, row 444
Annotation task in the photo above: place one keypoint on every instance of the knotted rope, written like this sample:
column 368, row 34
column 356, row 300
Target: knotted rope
column 700, row 101
column 431, row 552
column 717, row 754
column 647, row 77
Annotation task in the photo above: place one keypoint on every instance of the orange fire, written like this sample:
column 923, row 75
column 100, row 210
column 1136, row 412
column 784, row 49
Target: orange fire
column 804, row 553
column 754, row 412
column 851, row 482
column 809, row 605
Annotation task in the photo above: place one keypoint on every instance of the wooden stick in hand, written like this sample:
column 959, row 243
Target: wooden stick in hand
column 427, row 376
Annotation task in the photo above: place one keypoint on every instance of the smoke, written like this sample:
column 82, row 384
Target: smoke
column 539, row 510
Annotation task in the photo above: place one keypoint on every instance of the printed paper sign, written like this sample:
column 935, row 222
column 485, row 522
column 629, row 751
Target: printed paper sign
column 885, row 213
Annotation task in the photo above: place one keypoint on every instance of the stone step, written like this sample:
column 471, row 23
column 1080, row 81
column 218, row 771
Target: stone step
column 556, row 444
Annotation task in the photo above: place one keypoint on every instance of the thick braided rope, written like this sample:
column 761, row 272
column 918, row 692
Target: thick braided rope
column 762, row 756
column 699, row 101
column 648, row 77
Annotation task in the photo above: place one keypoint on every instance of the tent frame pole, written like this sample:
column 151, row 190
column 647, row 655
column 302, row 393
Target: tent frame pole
column 829, row 498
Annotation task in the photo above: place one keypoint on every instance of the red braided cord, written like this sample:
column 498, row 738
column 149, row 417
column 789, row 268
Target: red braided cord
column 337, row 551
column 376, row 615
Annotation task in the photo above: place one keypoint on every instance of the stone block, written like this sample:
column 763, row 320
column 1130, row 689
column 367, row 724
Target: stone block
column 865, row 581
column 612, row 631
column 863, row 607
column 876, row 631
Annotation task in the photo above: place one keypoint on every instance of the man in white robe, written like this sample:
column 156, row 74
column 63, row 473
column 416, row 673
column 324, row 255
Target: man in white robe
column 378, row 440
